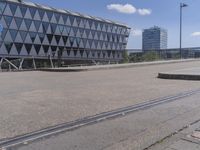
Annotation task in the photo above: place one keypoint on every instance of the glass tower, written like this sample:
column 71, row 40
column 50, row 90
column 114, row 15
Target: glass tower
column 154, row 38
column 32, row 30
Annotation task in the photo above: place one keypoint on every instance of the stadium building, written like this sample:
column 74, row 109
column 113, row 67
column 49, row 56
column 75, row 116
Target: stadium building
column 32, row 31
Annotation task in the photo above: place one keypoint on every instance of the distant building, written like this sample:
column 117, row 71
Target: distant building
column 154, row 38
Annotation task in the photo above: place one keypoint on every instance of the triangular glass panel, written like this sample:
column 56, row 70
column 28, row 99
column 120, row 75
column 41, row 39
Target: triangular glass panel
column 13, row 24
column 13, row 34
column 45, row 17
column 7, row 11
column 32, row 27
column 8, row 20
column 37, row 48
column 46, row 48
column 71, row 18
column 28, row 47
column 28, row 23
column 28, row 14
column 13, row 50
column 8, row 46
column 57, row 16
column 3, row 50
column 2, row 7
column 41, row 52
column 37, row 24
column 32, row 36
column 41, row 13
column 18, row 47
column 23, row 10
column 64, row 18
column 33, row 51
column 23, row 51
column 3, row 33
column 37, row 40
column 28, row 39
column 49, row 14
column 32, row 11
column 41, row 36
column 3, row 22
column 57, row 37
column 37, row 16
column 23, row 34
column 61, row 21
column 18, row 22
column 13, row 8
column 23, row 26
column 18, row 13
column 53, row 19
column 8, row 37
column 18, row 38
column 50, row 37
column 68, row 21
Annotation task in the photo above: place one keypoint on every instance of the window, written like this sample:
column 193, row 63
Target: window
column 23, row 34
column 45, row 26
column 37, row 24
column 8, row 46
column 37, row 48
column 8, row 20
column 49, row 14
column 18, row 47
column 33, row 36
column 13, row 34
column 41, row 36
column 28, row 47
column 28, row 23
column 50, row 37
column 13, row 8
column 2, row 6
column 23, row 10
column 32, row 11
column 53, row 28
column 41, row 13
column 18, row 22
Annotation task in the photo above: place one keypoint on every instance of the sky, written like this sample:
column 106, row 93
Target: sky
column 142, row 14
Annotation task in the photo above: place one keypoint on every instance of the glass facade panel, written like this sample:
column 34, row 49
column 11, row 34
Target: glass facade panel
column 2, row 6
column 13, row 8
column 36, row 28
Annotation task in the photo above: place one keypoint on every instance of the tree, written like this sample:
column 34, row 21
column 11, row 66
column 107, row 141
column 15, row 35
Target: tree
column 125, row 57
column 151, row 56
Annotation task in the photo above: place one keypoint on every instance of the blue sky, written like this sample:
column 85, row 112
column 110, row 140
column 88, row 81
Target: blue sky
column 140, row 14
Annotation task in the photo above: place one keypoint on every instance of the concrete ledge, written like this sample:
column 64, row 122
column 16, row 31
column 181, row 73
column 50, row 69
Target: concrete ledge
column 184, row 74
column 178, row 76
column 114, row 66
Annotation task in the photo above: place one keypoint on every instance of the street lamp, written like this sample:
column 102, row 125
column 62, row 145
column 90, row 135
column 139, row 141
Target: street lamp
column 181, row 7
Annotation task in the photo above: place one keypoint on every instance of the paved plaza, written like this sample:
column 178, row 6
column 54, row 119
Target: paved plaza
column 34, row 100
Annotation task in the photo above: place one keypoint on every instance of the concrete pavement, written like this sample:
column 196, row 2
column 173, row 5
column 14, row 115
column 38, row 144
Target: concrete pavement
column 135, row 131
column 34, row 100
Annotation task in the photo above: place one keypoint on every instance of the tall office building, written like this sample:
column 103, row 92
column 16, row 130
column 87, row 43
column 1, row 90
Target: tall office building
column 30, row 30
column 154, row 38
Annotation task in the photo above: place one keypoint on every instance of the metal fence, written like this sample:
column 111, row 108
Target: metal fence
column 166, row 54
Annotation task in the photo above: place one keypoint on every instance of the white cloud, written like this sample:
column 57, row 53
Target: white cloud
column 144, row 11
column 127, row 8
column 136, row 32
column 195, row 34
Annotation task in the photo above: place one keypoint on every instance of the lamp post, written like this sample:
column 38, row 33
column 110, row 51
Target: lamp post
column 181, row 7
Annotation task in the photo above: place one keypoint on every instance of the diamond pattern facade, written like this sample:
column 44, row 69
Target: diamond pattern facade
column 32, row 30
